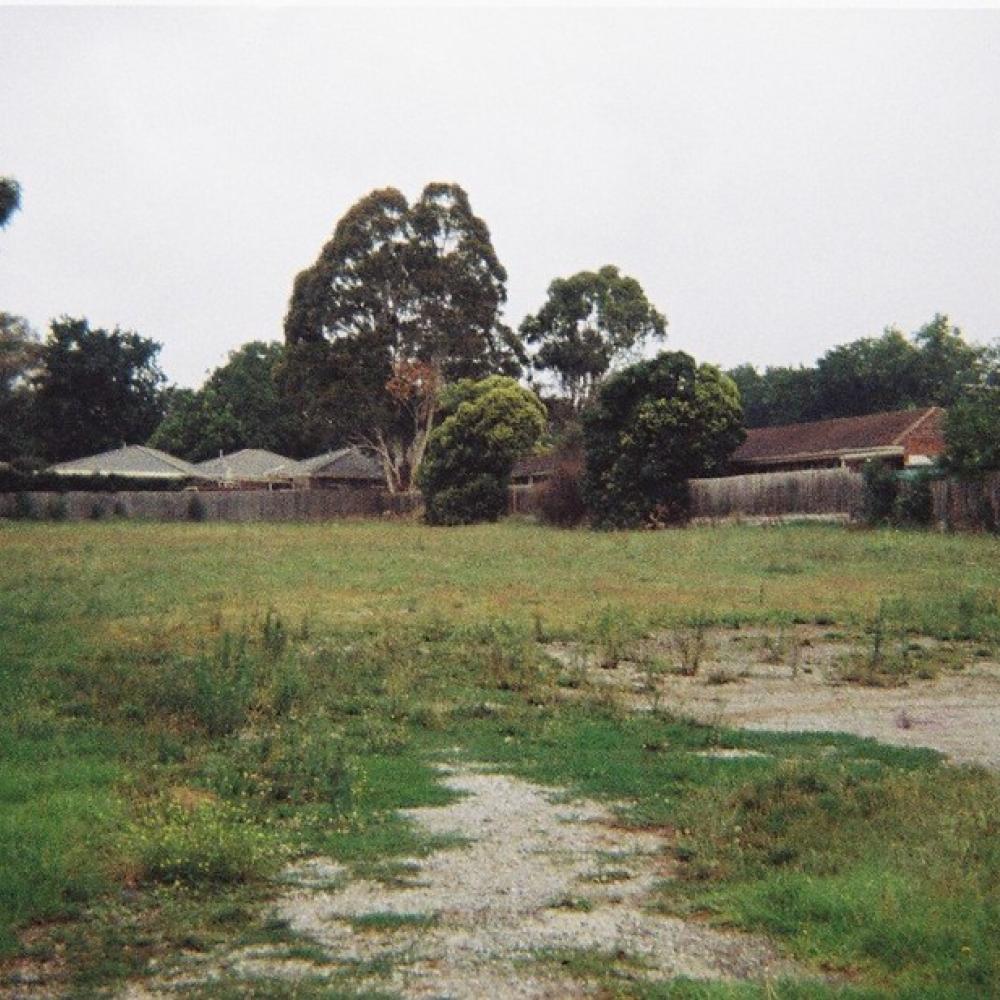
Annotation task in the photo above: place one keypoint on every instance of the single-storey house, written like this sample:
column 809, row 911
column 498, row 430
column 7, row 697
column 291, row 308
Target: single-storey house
column 901, row 439
column 532, row 469
column 344, row 467
column 133, row 461
column 250, row 468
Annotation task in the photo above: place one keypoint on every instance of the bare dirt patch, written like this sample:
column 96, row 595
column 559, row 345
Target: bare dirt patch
column 791, row 681
column 538, row 881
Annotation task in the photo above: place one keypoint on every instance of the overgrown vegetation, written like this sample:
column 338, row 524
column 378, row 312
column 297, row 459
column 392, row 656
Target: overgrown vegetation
column 654, row 426
column 560, row 497
column 484, row 427
column 188, row 707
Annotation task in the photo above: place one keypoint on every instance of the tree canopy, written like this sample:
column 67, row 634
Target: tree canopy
column 10, row 199
column 653, row 426
column 589, row 322
column 869, row 375
column 400, row 300
column 94, row 390
column 972, row 432
column 485, row 427
column 20, row 350
column 239, row 406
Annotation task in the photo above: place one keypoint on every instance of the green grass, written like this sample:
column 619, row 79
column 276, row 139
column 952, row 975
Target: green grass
column 186, row 706
column 875, row 860
column 155, row 585
column 386, row 921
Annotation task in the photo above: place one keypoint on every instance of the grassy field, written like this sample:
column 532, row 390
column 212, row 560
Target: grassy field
column 188, row 706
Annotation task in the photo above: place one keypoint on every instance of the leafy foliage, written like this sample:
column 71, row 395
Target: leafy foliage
column 95, row 390
column 10, row 199
column 402, row 298
column 655, row 425
column 972, row 432
column 486, row 426
column 891, row 372
column 20, row 350
column 879, row 492
column 240, row 406
column 590, row 321
column 915, row 502
column 560, row 497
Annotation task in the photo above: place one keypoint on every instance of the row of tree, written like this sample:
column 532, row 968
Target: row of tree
column 935, row 366
column 403, row 304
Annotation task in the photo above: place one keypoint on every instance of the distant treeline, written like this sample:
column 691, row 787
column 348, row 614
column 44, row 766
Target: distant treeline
column 936, row 366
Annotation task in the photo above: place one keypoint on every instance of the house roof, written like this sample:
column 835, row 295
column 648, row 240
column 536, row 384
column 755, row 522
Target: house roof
column 345, row 463
column 131, row 460
column 533, row 465
column 249, row 463
column 822, row 438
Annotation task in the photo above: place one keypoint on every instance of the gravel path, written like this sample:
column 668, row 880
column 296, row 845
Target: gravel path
column 537, row 876
column 955, row 712
column 537, row 879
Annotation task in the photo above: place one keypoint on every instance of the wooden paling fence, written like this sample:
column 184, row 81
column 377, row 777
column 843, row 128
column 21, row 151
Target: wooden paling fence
column 968, row 505
column 224, row 505
column 812, row 492
column 833, row 494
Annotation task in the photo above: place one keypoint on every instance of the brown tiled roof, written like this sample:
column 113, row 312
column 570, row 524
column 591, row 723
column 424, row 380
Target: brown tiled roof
column 831, row 437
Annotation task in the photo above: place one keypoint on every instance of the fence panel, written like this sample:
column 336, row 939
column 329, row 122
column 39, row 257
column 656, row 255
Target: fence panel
column 776, row 494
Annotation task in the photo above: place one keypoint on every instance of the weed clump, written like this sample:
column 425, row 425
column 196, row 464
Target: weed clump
column 296, row 763
column 214, row 690
column 888, row 660
column 199, row 842
column 690, row 645
column 510, row 658
column 614, row 634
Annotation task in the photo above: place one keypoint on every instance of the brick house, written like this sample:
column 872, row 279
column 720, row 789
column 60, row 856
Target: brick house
column 901, row 439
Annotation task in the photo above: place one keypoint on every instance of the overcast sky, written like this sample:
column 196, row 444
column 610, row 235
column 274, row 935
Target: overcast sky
column 779, row 182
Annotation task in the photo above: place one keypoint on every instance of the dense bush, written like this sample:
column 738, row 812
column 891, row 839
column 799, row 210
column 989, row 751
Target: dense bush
column 196, row 510
column 889, row 498
column 655, row 425
column 559, row 499
column 972, row 431
column 914, row 502
column 56, row 509
column 24, row 507
column 14, row 480
column 486, row 425
column 481, row 497
column 879, row 491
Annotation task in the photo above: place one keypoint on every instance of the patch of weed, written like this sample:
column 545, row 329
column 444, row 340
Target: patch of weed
column 389, row 921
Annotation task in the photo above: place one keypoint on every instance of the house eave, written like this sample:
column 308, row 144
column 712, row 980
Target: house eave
column 841, row 454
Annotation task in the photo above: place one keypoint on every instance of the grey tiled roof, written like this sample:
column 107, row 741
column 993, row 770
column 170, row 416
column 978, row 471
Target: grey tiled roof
column 345, row 463
column 132, row 460
column 249, row 463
